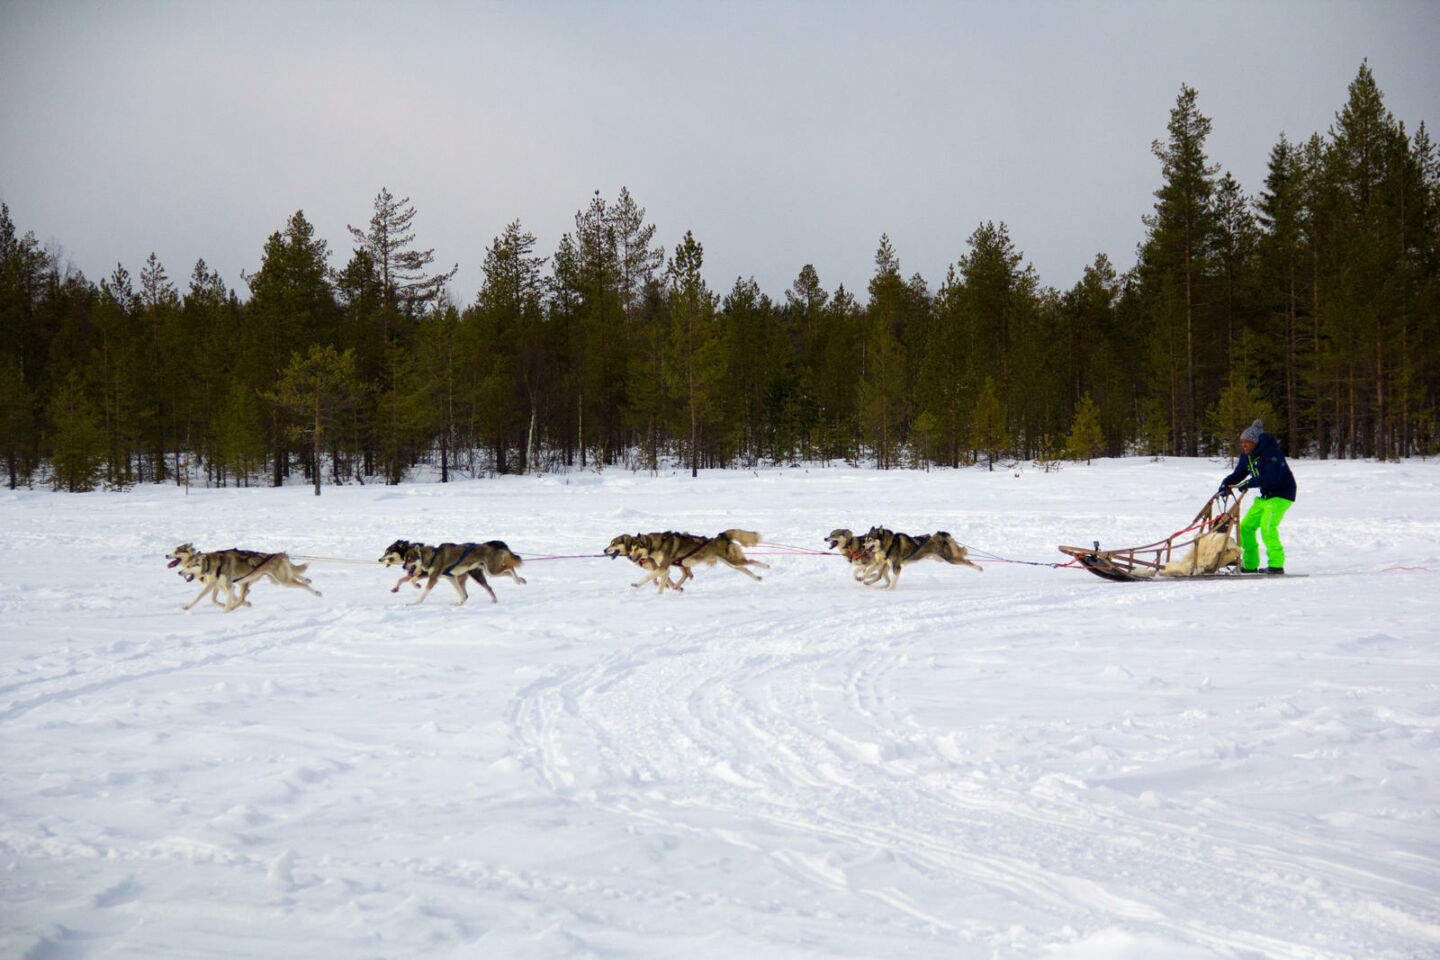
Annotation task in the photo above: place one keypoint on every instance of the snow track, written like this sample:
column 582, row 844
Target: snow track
column 1022, row 763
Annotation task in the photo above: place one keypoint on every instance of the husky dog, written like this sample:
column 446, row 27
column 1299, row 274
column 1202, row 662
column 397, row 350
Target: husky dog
column 227, row 569
column 398, row 552
column 637, row 549
column 861, row 559
column 688, row 551
column 658, row 552
column 454, row 562
column 891, row 551
column 192, row 564
column 1207, row 554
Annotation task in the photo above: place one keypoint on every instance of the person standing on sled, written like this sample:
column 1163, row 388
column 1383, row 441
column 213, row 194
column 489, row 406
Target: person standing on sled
column 1262, row 465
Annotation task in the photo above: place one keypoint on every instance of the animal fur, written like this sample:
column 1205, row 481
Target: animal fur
column 226, row 570
column 658, row 552
column 1207, row 554
column 454, row 562
column 862, row 560
column 891, row 551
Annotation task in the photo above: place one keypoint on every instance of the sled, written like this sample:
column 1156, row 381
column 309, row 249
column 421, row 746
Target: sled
column 1220, row 513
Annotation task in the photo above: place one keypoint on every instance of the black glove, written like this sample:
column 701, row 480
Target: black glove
column 1224, row 486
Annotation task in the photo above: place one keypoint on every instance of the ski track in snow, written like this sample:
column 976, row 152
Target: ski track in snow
column 1024, row 762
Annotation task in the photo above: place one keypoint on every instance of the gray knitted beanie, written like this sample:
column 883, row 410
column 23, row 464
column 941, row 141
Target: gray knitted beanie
column 1252, row 432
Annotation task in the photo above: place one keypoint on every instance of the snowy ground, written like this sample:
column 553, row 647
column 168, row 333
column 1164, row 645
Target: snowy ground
column 1024, row 762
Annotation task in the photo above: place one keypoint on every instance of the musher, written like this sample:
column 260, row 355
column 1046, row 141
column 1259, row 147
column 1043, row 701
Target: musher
column 1262, row 465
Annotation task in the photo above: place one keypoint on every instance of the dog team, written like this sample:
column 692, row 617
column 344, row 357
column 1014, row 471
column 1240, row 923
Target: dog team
column 875, row 558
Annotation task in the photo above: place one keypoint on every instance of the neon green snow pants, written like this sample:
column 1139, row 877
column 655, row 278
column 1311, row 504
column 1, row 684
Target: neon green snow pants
column 1263, row 516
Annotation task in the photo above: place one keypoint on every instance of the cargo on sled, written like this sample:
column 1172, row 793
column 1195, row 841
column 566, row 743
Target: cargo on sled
column 1208, row 547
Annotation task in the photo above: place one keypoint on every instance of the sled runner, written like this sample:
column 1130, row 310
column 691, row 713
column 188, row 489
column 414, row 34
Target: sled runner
column 1203, row 549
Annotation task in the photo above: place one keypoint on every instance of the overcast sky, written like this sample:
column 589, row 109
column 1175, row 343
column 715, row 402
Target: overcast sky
column 780, row 133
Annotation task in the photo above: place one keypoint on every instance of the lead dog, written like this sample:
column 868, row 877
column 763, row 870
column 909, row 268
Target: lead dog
column 891, row 551
column 227, row 569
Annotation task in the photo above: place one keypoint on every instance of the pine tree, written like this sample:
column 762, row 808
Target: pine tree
column 1365, row 170
column 637, row 257
column 510, row 311
column 77, row 439
column 237, row 434
column 405, row 286
column 17, row 421
column 1240, row 404
column 999, row 306
column 806, row 317
column 1232, row 250
column 1085, row 440
column 989, row 432
column 694, row 341
column 944, row 388
column 882, row 365
column 292, row 307
column 1281, row 254
column 1174, row 251
column 601, row 333
column 840, row 377
column 317, row 388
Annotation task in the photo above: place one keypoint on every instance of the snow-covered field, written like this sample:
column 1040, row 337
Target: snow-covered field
column 1024, row 762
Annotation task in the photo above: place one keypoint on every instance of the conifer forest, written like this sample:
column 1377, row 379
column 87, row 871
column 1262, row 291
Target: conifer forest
column 1314, row 304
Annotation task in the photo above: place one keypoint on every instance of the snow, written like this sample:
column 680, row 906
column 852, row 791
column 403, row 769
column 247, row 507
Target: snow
column 1024, row 762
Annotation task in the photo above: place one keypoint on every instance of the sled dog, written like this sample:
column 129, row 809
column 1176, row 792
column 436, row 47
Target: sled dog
column 894, row 550
column 688, row 551
column 227, row 569
column 625, row 545
column 454, row 562
column 658, row 552
column 861, row 559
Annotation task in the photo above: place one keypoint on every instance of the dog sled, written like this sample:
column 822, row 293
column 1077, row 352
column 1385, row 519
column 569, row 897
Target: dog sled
column 1208, row 548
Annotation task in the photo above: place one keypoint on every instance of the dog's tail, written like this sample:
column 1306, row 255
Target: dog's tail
column 952, row 552
column 501, row 558
column 746, row 538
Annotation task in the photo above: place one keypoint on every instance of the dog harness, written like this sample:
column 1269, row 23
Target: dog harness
column 458, row 560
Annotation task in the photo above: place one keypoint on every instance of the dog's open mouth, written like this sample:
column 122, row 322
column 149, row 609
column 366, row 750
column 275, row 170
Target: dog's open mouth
column 189, row 577
column 173, row 563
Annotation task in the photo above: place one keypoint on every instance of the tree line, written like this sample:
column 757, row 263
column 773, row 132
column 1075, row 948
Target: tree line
column 1313, row 305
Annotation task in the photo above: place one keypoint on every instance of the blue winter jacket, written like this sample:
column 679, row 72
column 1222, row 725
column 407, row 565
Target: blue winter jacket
column 1265, row 468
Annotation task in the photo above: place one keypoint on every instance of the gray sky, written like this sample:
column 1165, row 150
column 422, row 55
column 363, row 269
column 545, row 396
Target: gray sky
column 780, row 133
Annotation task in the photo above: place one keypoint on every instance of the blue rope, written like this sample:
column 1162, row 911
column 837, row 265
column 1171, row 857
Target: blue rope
column 994, row 558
